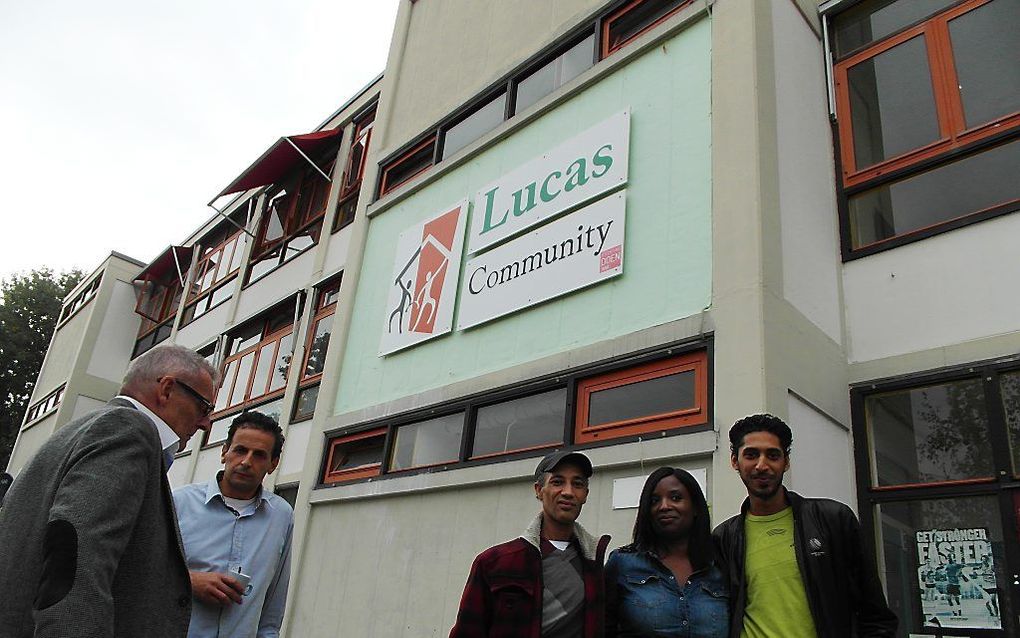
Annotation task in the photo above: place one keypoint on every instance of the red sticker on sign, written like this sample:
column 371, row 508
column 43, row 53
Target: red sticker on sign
column 611, row 258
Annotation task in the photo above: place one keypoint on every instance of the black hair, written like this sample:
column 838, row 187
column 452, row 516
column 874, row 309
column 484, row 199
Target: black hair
column 257, row 421
column 700, row 549
column 760, row 423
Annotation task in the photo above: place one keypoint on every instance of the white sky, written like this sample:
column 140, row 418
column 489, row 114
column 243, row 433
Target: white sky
column 120, row 119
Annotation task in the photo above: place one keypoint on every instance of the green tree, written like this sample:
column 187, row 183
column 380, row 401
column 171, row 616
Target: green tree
column 29, row 308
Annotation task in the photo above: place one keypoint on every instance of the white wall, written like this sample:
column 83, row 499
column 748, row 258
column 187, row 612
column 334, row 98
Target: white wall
column 84, row 405
column 112, row 350
column 821, row 462
column 958, row 286
column 336, row 251
column 275, row 286
column 204, row 329
column 293, row 458
column 807, row 187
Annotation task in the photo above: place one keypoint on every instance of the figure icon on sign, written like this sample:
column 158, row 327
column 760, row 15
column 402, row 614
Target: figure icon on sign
column 405, row 299
column 425, row 301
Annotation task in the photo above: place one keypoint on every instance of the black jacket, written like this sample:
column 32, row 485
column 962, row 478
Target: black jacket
column 842, row 586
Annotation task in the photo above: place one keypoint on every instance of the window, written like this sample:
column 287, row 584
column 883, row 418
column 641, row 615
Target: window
column 81, row 299
column 428, row 442
column 355, row 456
column 157, row 304
column 560, row 63
column 288, row 493
column 633, row 19
column 292, row 216
column 937, row 477
column 45, row 405
column 350, row 185
column 555, row 73
column 218, row 264
column 221, row 426
column 520, row 424
column 477, row 123
column 315, row 349
column 927, row 113
column 930, row 434
column 647, row 398
column 257, row 360
column 412, row 163
column 660, row 392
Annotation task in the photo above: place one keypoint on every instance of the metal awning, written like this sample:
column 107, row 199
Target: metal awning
column 175, row 259
column 281, row 158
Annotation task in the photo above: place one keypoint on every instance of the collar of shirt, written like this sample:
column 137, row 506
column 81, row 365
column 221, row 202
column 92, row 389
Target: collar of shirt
column 212, row 490
column 168, row 439
column 548, row 548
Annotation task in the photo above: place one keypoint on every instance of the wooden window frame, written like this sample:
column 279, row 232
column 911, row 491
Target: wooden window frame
column 228, row 384
column 953, row 130
column 696, row 362
column 665, row 359
column 80, row 300
column 374, row 469
column 322, row 312
column 391, row 448
column 353, row 176
column 384, row 184
column 607, row 22
column 39, row 409
column 231, row 243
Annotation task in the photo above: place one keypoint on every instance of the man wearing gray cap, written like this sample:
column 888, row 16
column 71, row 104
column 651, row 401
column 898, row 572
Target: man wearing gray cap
column 546, row 583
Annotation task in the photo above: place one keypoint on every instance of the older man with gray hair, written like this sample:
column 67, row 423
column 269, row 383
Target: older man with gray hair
column 89, row 543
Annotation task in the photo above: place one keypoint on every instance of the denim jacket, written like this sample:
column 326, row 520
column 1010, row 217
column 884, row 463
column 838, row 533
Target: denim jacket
column 644, row 599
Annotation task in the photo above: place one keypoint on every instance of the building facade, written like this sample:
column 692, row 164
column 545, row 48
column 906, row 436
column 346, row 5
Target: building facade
column 615, row 227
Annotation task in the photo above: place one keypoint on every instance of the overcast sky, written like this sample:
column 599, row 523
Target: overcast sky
column 121, row 119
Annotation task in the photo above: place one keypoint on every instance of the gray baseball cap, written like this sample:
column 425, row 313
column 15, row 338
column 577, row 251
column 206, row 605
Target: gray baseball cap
column 555, row 458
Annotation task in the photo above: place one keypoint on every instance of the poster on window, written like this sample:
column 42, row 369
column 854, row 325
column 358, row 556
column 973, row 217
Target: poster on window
column 956, row 574
column 424, row 282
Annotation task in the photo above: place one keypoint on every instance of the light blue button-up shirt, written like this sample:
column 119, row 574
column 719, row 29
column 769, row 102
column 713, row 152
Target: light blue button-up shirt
column 257, row 540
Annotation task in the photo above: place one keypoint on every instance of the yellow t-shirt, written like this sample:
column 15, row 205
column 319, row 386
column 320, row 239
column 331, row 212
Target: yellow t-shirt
column 777, row 605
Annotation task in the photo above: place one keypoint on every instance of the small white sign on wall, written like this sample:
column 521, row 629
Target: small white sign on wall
column 627, row 491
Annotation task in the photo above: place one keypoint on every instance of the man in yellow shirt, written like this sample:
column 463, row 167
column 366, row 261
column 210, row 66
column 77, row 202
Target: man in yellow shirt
column 796, row 565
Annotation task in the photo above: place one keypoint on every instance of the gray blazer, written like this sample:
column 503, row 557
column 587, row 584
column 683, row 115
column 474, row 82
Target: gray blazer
column 89, row 544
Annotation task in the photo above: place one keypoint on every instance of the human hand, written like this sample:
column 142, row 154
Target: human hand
column 214, row 588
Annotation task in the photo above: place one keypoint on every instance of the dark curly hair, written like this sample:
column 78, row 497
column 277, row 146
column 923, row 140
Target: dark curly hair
column 760, row 423
column 700, row 549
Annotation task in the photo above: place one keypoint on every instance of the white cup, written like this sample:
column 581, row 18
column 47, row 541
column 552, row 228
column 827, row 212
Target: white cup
column 245, row 581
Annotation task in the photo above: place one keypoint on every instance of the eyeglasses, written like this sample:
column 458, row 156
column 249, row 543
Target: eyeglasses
column 203, row 403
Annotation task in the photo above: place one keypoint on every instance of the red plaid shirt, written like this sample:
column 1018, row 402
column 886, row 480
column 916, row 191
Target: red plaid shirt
column 503, row 594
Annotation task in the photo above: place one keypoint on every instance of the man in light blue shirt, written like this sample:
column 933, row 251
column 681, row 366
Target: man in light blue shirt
column 237, row 537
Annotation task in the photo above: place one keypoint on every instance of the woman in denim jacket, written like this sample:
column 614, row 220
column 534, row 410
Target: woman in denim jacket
column 666, row 584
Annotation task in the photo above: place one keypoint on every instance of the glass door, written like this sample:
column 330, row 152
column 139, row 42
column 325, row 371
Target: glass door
column 938, row 465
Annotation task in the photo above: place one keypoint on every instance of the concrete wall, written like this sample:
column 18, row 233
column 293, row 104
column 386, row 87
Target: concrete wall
column 445, row 51
column 394, row 565
column 112, row 350
column 667, row 269
column 955, row 284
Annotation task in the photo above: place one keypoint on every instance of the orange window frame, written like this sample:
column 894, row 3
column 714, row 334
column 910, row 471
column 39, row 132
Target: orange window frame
column 225, row 249
column 696, row 362
column 322, row 312
column 953, row 130
column 231, row 380
column 353, row 174
column 613, row 17
column 353, row 473
column 385, row 186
